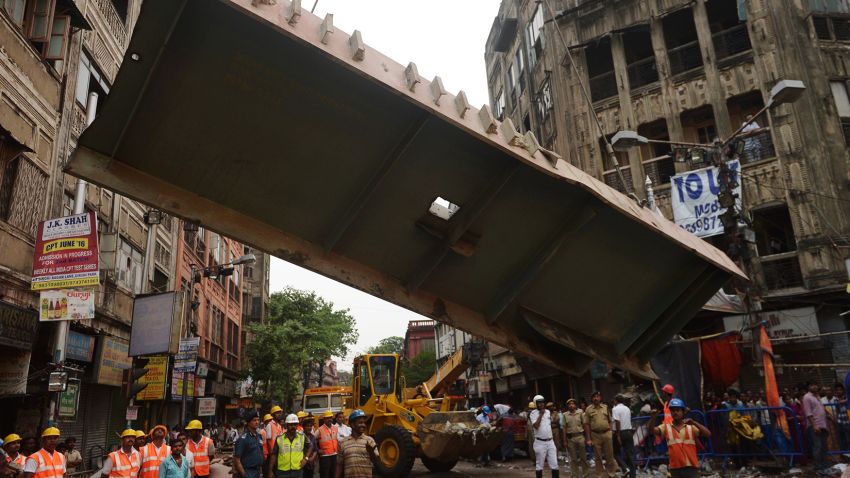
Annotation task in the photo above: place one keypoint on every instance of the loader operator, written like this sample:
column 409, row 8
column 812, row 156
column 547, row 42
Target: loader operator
column 544, row 446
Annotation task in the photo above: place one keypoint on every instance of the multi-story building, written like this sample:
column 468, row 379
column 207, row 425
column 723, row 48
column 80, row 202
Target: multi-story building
column 418, row 337
column 54, row 54
column 693, row 71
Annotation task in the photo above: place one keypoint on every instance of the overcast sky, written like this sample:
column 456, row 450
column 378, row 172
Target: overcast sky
column 444, row 38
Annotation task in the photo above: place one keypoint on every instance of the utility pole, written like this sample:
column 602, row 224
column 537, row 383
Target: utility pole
column 61, row 336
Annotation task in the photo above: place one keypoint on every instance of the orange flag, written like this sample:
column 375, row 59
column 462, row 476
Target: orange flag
column 770, row 380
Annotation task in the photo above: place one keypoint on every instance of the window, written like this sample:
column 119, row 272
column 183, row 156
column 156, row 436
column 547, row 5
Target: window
column 383, row 374
column 706, row 134
column 680, row 36
column 499, row 106
column 774, row 231
column 365, row 390
column 130, row 273
column 217, row 326
column 842, row 106
column 831, row 28
column 520, row 70
column 47, row 26
column 90, row 79
column 534, row 37
column 543, row 100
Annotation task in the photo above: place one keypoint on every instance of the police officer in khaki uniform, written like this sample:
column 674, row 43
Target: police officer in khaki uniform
column 574, row 439
column 597, row 423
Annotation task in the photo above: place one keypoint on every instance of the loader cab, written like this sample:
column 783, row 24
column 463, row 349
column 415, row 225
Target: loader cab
column 375, row 375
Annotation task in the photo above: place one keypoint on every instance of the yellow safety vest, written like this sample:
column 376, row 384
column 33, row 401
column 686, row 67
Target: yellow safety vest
column 290, row 453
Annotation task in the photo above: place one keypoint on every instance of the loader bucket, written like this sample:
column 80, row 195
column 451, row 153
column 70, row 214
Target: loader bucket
column 447, row 436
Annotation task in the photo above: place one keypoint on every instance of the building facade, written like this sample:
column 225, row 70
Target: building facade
column 419, row 337
column 53, row 56
column 695, row 71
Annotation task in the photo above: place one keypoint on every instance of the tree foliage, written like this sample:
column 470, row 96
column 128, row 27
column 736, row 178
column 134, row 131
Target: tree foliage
column 388, row 345
column 302, row 330
column 420, row 368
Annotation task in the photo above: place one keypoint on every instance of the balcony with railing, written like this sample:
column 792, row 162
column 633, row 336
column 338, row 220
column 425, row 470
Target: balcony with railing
column 603, row 86
column 642, row 72
column 731, row 41
column 684, row 57
column 113, row 21
column 612, row 179
column 757, row 145
column 781, row 271
column 660, row 169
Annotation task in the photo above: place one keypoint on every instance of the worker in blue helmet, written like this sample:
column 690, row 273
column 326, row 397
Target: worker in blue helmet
column 358, row 453
column 681, row 436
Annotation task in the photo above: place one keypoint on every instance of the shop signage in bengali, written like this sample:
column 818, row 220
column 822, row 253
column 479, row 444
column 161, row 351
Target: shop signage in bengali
column 66, row 253
column 206, row 407
column 187, row 355
column 14, row 365
column 68, row 401
column 155, row 330
column 156, row 379
column 693, row 196
column 781, row 324
column 79, row 346
column 66, row 304
column 17, row 327
column 112, row 360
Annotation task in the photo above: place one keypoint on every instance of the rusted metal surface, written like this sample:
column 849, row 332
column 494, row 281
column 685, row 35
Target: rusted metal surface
column 281, row 131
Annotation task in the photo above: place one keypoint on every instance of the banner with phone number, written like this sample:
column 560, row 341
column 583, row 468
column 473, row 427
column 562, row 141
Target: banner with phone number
column 694, row 199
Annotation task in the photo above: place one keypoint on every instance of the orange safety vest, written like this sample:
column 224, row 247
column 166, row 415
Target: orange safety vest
column 151, row 459
column 273, row 430
column 265, row 443
column 681, row 446
column 19, row 460
column 47, row 466
column 328, row 443
column 202, row 459
column 124, row 466
column 668, row 418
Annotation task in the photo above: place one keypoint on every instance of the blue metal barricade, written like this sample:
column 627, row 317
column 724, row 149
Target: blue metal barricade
column 730, row 446
column 650, row 449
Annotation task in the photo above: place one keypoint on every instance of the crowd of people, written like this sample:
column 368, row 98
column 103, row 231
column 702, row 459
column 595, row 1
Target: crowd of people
column 281, row 446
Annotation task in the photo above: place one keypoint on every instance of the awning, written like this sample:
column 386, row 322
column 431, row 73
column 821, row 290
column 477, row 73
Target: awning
column 271, row 126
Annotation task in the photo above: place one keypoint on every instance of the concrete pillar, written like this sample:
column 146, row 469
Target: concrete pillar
column 627, row 115
column 716, row 94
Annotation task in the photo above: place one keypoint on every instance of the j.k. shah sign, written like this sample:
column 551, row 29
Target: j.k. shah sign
column 694, row 199
column 66, row 253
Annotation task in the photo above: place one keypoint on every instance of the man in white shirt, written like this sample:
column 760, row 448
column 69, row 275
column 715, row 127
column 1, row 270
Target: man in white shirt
column 343, row 431
column 544, row 446
column 624, row 434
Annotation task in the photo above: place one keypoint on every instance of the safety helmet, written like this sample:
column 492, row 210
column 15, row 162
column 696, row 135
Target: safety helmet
column 538, row 398
column 268, row 417
column 668, row 389
column 328, row 414
column 140, row 434
column 275, row 409
column 128, row 433
column 530, row 404
column 11, row 438
column 50, row 432
column 356, row 414
column 676, row 403
column 291, row 419
column 194, row 425
column 485, row 409
column 161, row 427
column 301, row 414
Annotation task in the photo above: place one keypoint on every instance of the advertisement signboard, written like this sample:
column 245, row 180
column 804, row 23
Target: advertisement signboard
column 14, row 365
column 187, row 355
column 66, row 304
column 206, row 407
column 79, row 346
column 156, row 324
column 177, row 385
column 132, row 413
column 693, row 196
column 112, row 360
column 780, row 324
column 17, row 327
column 66, row 253
column 68, row 401
column 155, row 378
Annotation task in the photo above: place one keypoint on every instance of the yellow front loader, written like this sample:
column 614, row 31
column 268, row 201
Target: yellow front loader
column 410, row 423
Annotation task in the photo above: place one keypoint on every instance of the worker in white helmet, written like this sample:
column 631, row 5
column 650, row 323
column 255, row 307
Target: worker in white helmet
column 544, row 445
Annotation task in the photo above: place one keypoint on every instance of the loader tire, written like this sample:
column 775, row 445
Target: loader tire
column 435, row 466
column 397, row 451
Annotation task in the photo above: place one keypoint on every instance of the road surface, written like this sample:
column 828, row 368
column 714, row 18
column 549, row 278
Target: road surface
column 520, row 467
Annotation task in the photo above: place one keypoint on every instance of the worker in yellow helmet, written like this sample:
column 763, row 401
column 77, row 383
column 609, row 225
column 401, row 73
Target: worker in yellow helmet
column 141, row 440
column 200, row 446
column 328, row 445
column 12, row 447
column 266, row 419
column 125, row 462
column 47, row 462
column 274, row 429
